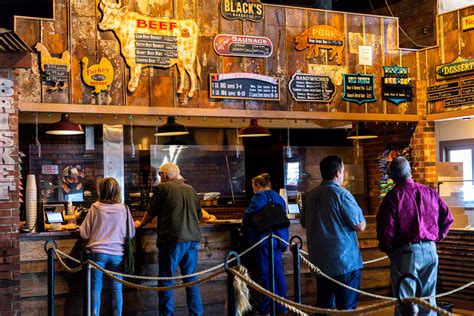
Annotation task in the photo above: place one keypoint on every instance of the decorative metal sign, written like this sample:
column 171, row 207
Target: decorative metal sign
column 55, row 69
column 251, row 10
column 147, row 41
column 8, row 163
column 396, row 85
column 458, row 67
column 242, row 45
column 244, row 86
column 453, row 94
column 312, row 88
column 358, row 88
column 467, row 23
column 99, row 76
column 321, row 37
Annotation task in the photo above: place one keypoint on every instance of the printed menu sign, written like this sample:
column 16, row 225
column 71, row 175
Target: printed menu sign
column 396, row 85
column 251, row 10
column 358, row 88
column 311, row 88
column 244, row 86
column 155, row 49
column 242, row 45
column 453, row 93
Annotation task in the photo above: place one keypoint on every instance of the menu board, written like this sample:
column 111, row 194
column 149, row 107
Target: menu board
column 244, row 86
column 242, row 45
column 358, row 88
column 396, row 85
column 155, row 49
column 312, row 88
column 453, row 93
column 55, row 73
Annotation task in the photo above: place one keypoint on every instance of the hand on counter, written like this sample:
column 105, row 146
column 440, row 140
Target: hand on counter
column 137, row 224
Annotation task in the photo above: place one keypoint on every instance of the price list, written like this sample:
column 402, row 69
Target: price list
column 155, row 49
column 244, row 86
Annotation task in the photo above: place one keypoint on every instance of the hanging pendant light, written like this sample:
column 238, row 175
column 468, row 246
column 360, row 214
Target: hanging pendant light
column 360, row 131
column 171, row 128
column 65, row 127
column 254, row 130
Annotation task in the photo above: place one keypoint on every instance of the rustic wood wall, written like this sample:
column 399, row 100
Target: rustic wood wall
column 75, row 29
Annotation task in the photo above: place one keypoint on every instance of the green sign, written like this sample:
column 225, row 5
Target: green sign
column 456, row 68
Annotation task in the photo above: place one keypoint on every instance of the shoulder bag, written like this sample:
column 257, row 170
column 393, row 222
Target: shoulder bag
column 271, row 218
column 128, row 258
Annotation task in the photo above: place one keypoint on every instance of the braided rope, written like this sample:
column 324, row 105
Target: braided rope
column 178, row 277
column 66, row 267
column 426, row 305
column 303, row 308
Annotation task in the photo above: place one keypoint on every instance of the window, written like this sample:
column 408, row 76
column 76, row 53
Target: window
column 460, row 151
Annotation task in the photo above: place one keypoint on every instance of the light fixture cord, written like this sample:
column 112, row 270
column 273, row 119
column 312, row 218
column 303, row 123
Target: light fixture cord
column 289, row 153
column 131, row 136
column 237, row 152
column 38, row 144
column 357, row 140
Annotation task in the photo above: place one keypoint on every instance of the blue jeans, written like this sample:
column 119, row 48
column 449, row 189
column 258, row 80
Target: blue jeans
column 112, row 263
column 263, row 277
column 331, row 295
column 170, row 256
column 420, row 260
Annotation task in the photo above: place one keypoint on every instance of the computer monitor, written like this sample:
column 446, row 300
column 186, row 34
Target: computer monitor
column 53, row 213
column 293, row 208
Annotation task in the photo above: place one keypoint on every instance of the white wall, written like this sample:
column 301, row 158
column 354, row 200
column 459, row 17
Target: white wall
column 450, row 5
column 453, row 130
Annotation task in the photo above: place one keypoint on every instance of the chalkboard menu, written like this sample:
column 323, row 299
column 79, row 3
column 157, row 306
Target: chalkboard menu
column 55, row 72
column 396, row 86
column 242, row 45
column 155, row 49
column 453, row 93
column 358, row 88
column 244, row 86
column 311, row 88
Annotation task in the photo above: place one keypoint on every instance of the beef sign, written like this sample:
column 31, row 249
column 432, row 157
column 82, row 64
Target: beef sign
column 146, row 41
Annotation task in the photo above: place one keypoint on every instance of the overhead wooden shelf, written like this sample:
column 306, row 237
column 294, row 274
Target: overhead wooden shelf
column 452, row 115
column 147, row 112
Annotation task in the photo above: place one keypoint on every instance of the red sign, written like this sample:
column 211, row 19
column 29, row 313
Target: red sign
column 242, row 45
column 49, row 169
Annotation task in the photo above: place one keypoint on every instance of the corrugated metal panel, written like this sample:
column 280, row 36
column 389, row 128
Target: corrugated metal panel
column 12, row 43
column 113, row 154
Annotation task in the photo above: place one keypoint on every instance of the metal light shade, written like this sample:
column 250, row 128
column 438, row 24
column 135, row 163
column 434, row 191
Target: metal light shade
column 65, row 127
column 358, row 132
column 254, row 130
column 171, row 128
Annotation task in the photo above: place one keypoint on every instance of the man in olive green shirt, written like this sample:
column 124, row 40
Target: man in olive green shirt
column 178, row 212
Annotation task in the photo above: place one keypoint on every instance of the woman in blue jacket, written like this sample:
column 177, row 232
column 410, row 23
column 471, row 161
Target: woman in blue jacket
column 262, row 188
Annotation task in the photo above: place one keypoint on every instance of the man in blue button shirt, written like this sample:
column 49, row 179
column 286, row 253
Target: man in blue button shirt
column 331, row 217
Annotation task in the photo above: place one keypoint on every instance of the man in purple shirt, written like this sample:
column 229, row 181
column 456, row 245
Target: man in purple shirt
column 411, row 219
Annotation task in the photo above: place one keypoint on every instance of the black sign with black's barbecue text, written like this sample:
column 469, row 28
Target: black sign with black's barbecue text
column 244, row 86
column 311, row 88
column 251, row 10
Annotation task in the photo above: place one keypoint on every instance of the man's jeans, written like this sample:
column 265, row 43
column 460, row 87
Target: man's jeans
column 170, row 256
column 332, row 295
column 420, row 260
column 112, row 263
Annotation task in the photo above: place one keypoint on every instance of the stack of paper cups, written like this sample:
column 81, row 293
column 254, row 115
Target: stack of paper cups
column 31, row 202
column 285, row 197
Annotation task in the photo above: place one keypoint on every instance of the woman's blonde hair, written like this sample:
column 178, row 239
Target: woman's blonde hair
column 262, row 180
column 109, row 191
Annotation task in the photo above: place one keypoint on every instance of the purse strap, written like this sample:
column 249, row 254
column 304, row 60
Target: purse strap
column 270, row 200
column 127, row 210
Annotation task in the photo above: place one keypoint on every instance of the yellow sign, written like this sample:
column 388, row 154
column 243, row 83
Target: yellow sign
column 147, row 41
column 321, row 37
column 467, row 23
column 55, row 69
column 99, row 76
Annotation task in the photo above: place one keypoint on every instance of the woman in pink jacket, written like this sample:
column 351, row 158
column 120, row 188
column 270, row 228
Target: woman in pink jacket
column 105, row 229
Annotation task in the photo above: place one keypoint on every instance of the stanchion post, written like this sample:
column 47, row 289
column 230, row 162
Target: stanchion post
column 295, row 249
column 271, row 268
column 49, row 247
column 89, row 291
column 231, row 296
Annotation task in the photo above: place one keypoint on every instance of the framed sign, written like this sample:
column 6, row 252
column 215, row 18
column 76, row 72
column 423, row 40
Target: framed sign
column 55, row 69
column 251, row 10
column 311, row 88
column 244, row 86
column 396, row 86
column 321, row 37
column 358, row 88
column 458, row 67
column 242, row 45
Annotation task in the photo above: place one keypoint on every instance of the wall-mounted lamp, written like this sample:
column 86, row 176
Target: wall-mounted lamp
column 171, row 128
column 254, row 130
column 360, row 131
column 65, row 127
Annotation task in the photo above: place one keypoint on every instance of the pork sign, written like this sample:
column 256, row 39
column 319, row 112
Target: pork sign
column 147, row 41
